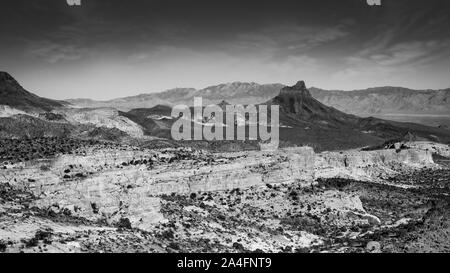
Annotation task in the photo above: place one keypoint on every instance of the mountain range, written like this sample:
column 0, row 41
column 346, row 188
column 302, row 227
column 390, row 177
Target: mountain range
column 235, row 93
column 386, row 100
column 304, row 120
column 429, row 107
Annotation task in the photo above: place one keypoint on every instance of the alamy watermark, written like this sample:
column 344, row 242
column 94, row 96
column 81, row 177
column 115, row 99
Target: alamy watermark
column 73, row 2
column 374, row 2
column 231, row 122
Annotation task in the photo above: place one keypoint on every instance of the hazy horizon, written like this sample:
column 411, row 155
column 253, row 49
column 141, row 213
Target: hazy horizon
column 290, row 84
column 109, row 49
column 235, row 82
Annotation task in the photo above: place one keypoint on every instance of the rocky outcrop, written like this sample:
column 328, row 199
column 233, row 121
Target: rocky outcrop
column 371, row 165
column 298, row 90
column 296, row 102
column 110, row 185
column 432, row 147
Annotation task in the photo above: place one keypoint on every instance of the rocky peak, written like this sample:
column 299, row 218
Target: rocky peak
column 296, row 102
column 299, row 89
column 300, row 85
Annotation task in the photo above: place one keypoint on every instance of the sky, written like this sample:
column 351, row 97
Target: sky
column 106, row 49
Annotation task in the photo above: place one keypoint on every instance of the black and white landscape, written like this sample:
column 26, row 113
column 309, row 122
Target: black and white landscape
column 88, row 162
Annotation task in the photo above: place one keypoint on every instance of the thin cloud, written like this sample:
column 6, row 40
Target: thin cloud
column 288, row 40
column 54, row 52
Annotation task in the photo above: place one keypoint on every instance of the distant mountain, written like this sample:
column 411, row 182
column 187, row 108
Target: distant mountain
column 12, row 94
column 236, row 92
column 386, row 101
column 239, row 92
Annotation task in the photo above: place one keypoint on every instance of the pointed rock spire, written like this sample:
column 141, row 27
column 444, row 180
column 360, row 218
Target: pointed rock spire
column 299, row 89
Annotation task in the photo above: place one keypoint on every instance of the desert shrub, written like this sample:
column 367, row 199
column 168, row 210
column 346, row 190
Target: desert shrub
column 124, row 223
column 45, row 168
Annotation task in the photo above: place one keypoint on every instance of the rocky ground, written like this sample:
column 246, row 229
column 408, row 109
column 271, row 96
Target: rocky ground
column 286, row 218
column 405, row 212
column 23, row 150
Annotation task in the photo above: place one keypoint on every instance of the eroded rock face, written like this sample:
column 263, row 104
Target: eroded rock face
column 114, row 183
column 111, row 184
column 435, row 148
column 371, row 165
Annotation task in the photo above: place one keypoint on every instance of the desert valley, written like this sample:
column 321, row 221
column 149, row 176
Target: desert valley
column 105, row 176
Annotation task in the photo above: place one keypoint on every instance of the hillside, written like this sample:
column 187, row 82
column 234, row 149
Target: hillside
column 14, row 95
